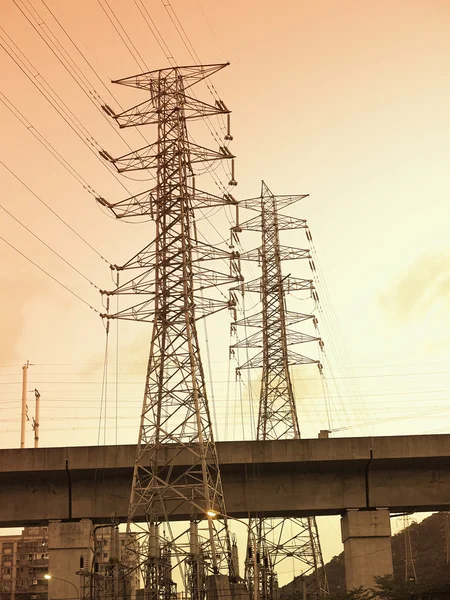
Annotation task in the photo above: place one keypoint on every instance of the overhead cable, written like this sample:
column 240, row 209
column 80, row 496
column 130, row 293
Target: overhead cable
column 46, row 90
column 47, row 145
column 92, row 91
column 49, row 247
column 48, row 275
column 64, row 58
column 54, row 213
column 128, row 44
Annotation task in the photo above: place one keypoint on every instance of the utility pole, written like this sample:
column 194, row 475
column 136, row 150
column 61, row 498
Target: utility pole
column 279, row 539
column 170, row 276
column 35, row 420
column 24, row 412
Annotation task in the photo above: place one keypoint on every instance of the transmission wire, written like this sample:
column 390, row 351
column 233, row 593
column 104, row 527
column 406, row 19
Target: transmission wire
column 53, row 212
column 71, row 120
column 64, row 29
column 48, row 275
column 49, row 247
column 136, row 52
column 71, row 68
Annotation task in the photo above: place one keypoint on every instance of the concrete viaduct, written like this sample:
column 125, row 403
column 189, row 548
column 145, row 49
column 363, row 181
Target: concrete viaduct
column 362, row 479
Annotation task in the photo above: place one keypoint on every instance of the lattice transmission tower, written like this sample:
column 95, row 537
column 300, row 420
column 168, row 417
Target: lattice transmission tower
column 279, row 539
column 410, row 564
column 172, row 277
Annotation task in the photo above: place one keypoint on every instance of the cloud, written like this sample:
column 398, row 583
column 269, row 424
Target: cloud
column 16, row 293
column 419, row 290
column 133, row 352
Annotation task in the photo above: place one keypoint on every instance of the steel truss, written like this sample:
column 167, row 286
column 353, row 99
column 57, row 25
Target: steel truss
column 278, row 539
column 172, row 274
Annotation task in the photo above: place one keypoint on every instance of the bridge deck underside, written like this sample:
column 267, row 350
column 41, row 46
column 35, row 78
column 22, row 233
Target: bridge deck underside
column 295, row 477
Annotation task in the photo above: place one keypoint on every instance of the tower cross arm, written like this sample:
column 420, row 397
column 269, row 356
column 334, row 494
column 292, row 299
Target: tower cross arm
column 149, row 158
column 191, row 75
column 144, row 203
column 284, row 253
column 284, row 222
column 146, row 113
column 280, row 201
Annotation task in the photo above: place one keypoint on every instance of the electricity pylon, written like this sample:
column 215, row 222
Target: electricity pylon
column 410, row 566
column 446, row 530
column 279, row 539
column 171, row 275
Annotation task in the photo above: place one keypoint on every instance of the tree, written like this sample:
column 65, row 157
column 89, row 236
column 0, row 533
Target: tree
column 387, row 588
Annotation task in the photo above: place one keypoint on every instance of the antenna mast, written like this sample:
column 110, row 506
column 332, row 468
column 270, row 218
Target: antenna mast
column 279, row 539
column 170, row 276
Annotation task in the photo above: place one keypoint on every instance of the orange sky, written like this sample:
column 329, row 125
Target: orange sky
column 347, row 101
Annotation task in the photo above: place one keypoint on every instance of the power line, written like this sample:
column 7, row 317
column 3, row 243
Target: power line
column 369, row 395
column 64, row 29
column 46, row 90
column 48, row 275
column 49, row 247
column 54, row 213
column 129, row 45
column 47, row 145
column 155, row 31
column 67, row 62
column 92, row 91
column 212, row 30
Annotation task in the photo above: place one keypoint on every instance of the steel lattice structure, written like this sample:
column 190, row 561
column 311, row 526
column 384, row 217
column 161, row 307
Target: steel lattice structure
column 171, row 274
column 410, row 565
column 279, row 539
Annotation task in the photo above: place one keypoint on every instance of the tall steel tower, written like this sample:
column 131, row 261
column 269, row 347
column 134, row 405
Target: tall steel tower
column 410, row 565
column 172, row 274
column 279, row 539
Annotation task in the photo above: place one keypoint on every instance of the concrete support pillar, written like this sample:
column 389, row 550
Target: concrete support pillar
column 366, row 535
column 218, row 587
column 67, row 543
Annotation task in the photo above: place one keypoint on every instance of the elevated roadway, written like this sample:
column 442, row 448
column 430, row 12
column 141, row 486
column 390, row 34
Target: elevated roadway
column 295, row 477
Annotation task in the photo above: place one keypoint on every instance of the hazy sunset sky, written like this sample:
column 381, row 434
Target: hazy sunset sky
column 346, row 101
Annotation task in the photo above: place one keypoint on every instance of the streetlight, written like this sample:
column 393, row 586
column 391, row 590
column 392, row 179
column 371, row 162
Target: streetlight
column 48, row 576
column 211, row 514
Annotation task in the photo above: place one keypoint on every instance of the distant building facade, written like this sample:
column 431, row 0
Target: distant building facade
column 24, row 562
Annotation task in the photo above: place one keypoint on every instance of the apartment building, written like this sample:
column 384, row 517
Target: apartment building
column 24, row 562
